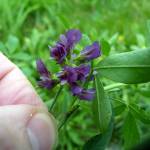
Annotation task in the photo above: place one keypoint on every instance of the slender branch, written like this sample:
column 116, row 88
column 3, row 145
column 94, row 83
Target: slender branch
column 67, row 116
column 55, row 98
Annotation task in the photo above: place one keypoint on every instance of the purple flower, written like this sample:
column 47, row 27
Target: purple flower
column 47, row 83
column 73, row 36
column 45, row 76
column 43, row 71
column 65, row 44
column 82, row 93
column 90, row 52
column 59, row 52
column 68, row 75
column 82, row 72
column 73, row 74
column 75, row 89
column 87, row 94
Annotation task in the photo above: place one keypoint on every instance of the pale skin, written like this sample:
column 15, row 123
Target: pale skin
column 25, row 123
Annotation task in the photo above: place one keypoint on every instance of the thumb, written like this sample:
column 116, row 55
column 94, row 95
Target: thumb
column 26, row 127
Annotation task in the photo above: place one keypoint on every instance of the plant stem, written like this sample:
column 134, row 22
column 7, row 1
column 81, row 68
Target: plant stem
column 73, row 101
column 55, row 98
column 67, row 116
column 112, row 86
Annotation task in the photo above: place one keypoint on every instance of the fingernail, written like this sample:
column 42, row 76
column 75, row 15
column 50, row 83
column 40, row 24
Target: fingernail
column 41, row 132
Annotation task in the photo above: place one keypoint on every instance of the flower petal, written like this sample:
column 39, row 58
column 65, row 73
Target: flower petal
column 83, row 71
column 87, row 94
column 65, row 44
column 43, row 71
column 59, row 52
column 47, row 83
column 63, row 40
column 91, row 51
column 71, row 74
column 73, row 36
column 76, row 90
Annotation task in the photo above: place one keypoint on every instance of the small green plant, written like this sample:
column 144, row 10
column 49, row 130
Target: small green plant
column 79, row 71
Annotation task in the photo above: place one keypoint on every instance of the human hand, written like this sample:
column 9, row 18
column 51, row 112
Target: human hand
column 25, row 123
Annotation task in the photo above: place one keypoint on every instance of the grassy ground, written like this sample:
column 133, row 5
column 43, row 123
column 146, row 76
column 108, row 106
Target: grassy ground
column 28, row 27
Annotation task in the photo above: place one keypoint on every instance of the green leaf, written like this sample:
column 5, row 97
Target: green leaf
column 139, row 113
column 140, row 40
column 101, row 107
column 105, row 47
column 129, row 67
column 119, row 109
column 119, row 106
column 148, row 33
column 145, row 92
column 22, row 56
column 2, row 46
column 100, row 141
column 131, row 133
column 12, row 43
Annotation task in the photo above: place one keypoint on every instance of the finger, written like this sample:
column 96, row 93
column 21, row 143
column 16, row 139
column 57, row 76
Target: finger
column 14, row 87
column 26, row 127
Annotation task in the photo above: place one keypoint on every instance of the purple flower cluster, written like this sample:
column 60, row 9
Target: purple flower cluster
column 72, row 75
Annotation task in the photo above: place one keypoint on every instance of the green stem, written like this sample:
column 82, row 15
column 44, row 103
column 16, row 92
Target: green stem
column 55, row 98
column 73, row 101
column 113, row 86
column 118, row 100
column 67, row 116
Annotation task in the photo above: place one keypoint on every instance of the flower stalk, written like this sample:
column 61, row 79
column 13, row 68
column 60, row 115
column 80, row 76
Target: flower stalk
column 68, row 115
column 55, row 98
